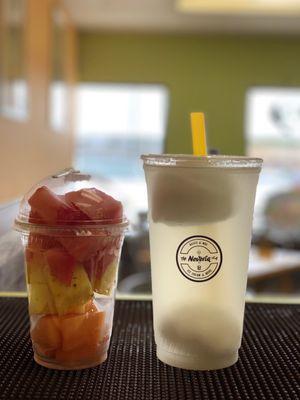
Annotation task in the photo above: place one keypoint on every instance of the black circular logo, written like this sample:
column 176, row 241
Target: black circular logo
column 199, row 258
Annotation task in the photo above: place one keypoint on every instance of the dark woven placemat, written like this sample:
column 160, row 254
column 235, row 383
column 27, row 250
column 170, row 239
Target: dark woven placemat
column 267, row 369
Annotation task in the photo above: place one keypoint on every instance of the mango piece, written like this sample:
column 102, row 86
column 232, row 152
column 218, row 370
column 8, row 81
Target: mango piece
column 40, row 299
column 66, row 297
column 81, row 330
column 106, row 282
column 46, row 333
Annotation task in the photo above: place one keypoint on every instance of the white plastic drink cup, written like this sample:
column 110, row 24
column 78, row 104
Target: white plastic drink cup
column 200, row 220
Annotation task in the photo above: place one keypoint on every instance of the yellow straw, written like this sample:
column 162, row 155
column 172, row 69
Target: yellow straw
column 198, row 133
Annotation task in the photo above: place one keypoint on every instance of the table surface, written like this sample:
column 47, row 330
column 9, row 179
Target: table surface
column 267, row 368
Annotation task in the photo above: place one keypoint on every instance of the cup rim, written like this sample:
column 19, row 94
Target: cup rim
column 210, row 161
column 84, row 229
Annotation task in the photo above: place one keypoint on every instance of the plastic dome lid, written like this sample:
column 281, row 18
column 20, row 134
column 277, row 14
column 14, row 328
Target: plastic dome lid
column 69, row 198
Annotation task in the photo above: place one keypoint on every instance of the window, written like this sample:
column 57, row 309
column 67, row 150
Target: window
column 13, row 74
column 115, row 124
column 273, row 133
column 58, row 92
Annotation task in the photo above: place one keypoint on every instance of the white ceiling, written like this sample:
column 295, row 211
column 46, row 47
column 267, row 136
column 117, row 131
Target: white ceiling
column 163, row 16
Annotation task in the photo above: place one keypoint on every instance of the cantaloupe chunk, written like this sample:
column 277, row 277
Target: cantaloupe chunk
column 81, row 330
column 46, row 333
column 44, row 352
column 87, row 353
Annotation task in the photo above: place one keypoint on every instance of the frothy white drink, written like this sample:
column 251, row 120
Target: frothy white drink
column 200, row 218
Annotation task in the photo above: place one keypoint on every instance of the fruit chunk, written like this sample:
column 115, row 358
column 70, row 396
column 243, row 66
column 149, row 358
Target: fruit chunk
column 46, row 332
column 40, row 299
column 81, row 206
column 95, row 204
column 61, row 265
column 43, row 352
column 81, row 330
column 97, row 265
column 34, row 217
column 53, row 208
column 83, row 248
column 76, row 294
column 35, row 263
column 38, row 242
column 82, row 354
column 105, row 283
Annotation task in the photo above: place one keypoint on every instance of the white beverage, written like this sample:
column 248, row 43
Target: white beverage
column 200, row 216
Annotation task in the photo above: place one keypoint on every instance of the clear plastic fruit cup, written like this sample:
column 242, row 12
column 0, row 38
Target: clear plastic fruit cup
column 72, row 259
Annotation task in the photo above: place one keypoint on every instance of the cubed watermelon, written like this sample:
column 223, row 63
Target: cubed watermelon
column 82, row 248
column 97, row 265
column 53, row 208
column 96, row 204
column 61, row 264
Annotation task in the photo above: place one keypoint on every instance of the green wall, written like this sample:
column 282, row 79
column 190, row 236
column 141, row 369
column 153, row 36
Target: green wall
column 203, row 73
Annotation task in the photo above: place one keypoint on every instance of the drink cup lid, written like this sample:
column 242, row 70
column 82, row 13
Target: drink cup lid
column 210, row 161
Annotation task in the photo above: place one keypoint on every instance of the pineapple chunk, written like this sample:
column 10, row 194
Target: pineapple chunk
column 35, row 273
column 40, row 299
column 106, row 282
column 70, row 298
column 35, row 269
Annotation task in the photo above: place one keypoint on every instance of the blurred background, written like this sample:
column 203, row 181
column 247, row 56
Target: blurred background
column 95, row 83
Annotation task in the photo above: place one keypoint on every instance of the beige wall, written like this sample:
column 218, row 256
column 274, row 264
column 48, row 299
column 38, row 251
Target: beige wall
column 30, row 150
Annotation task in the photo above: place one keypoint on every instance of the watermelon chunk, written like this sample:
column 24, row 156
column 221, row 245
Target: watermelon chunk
column 97, row 265
column 35, row 218
column 52, row 208
column 72, row 208
column 61, row 264
column 37, row 242
column 95, row 204
column 82, row 248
